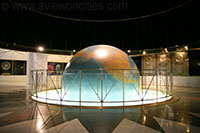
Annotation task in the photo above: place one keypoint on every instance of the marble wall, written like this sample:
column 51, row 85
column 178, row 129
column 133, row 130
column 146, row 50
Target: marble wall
column 35, row 61
column 39, row 61
column 186, row 81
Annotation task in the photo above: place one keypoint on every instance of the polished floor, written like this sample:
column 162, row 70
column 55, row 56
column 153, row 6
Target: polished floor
column 19, row 114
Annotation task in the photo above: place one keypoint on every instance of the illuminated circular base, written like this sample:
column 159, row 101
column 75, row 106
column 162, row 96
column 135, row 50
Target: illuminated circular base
column 150, row 98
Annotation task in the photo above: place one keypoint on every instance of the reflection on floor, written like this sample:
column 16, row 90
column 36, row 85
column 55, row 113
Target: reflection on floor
column 20, row 115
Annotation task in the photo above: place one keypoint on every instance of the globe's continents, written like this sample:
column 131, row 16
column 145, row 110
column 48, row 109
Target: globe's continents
column 100, row 74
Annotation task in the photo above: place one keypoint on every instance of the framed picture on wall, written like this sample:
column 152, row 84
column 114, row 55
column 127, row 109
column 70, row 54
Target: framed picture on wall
column 6, row 67
column 12, row 67
column 55, row 67
column 19, row 68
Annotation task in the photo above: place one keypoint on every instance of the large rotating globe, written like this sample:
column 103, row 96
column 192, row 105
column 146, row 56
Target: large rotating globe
column 100, row 75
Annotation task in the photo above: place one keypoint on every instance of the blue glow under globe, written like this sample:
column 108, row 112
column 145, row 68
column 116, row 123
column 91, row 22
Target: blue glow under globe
column 100, row 74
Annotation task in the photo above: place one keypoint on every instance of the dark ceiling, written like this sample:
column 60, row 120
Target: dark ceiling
column 47, row 23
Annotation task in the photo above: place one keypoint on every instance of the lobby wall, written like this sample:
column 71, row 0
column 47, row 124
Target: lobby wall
column 20, row 80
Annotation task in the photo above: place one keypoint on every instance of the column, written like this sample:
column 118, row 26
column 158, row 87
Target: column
column 35, row 61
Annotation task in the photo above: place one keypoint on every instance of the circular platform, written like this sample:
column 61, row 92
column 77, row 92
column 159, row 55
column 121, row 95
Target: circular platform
column 150, row 98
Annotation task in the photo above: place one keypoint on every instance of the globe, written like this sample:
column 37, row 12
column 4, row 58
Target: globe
column 100, row 75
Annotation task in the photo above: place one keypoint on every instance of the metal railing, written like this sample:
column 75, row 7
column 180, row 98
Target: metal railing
column 110, row 87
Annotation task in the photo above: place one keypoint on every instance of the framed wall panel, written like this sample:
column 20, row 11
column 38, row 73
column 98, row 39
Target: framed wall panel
column 180, row 63
column 177, row 63
column 6, row 67
column 54, row 67
column 12, row 67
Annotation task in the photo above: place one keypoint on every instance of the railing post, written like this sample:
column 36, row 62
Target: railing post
column 171, row 78
column 167, row 87
column 101, row 88
column 80, row 89
column 156, row 83
column 36, row 84
column 171, row 75
column 57, row 78
column 160, row 78
column 61, row 80
column 156, row 76
column 142, row 73
column 46, row 84
column 31, row 84
column 123, row 87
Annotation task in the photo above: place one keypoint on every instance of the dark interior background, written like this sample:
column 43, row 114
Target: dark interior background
column 176, row 27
